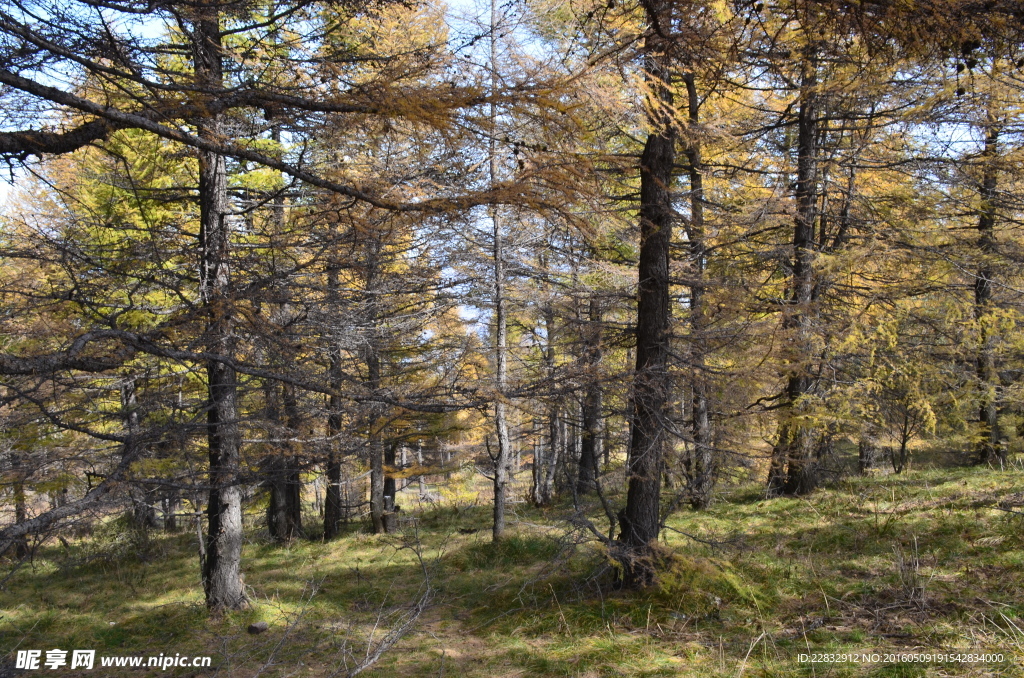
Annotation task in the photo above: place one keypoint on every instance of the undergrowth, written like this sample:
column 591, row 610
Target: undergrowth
column 928, row 562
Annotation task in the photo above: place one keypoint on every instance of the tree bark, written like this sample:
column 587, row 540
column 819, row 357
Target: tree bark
column 332, row 500
column 867, row 452
column 371, row 357
column 592, row 403
column 699, row 463
column 546, row 462
column 20, row 543
column 793, row 469
column 640, row 519
column 390, row 491
column 143, row 496
column 502, row 458
column 989, row 448
column 282, row 475
column 222, row 580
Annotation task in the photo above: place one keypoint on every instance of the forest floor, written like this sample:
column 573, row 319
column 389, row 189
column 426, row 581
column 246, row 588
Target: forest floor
column 889, row 570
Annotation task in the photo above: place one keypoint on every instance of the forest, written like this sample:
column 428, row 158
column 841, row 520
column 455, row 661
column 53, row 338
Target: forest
column 522, row 338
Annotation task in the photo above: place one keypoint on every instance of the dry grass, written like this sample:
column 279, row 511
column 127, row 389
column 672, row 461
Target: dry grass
column 920, row 563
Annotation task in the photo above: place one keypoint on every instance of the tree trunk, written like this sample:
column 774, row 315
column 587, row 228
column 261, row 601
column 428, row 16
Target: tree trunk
column 282, row 476
column 20, row 504
column 421, row 481
column 989, row 448
column 793, row 470
column 376, row 450
column 143, row 495
column 545, row 470
column 390, row 491
column 592, row 404
column 699, row 463
column 222, row 580
column 501, row 460
column 171, row 503
column 867, row 452
column 332, row 500
column 640, row 519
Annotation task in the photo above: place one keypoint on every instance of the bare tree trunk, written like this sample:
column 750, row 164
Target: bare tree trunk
column 793, row 469
column 419, row 462
column 390, row 491
column 548, row 458
column 20, row 504
column 376, row 450
column 699, row 463
column 590, row 445
column 641, row 518
column 332, row 500
column 171, row 505
column 143, row 496
column 282, row 476
column 501, row 460
column 222, row 580
column 867, row 452
column 989, row 448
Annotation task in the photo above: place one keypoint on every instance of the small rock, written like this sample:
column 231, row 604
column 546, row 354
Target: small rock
column 258, row 627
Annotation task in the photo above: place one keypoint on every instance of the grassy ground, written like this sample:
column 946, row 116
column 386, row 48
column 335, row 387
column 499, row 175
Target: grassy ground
column 925, row 562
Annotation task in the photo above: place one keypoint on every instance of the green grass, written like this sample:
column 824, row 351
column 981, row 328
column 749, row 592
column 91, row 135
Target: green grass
column 918, row 563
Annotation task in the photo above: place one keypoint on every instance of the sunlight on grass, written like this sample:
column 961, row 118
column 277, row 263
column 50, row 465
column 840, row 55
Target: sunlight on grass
column 919, row 563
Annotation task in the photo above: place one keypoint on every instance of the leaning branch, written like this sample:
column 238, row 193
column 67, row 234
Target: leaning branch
column 499, row 194
column 39, row 143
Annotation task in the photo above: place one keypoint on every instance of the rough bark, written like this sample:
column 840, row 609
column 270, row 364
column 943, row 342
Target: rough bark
column 390, row 492
column 20, row 543
column 171, row 502
column 699, row 463
column 989, row 449
column 282, row 476
column 793, row 469
column 332, row 500
column 143, row 496
column 503, row 453
column 867, row 452
column 371, row 358
column 39, row 143
column 592, row 404
column 545, row 465
column 222, row 580
column 640, row 519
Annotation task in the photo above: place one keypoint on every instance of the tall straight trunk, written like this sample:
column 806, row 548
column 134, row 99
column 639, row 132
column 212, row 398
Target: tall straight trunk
column 421, row 481
column 640, row 519
column 282, row 475
column 502, row 458
column 171, row 503
column 283, row 479
column 144, row 497
column 989, row 448
column 547, row 461
column 792, row 467
column 503, row 454
column 538, row 465
column 333, row 499
column 371, row 358
column 590, row 445
column 390, row 491
column 21, row 549
column 375, row 446
column 222, row 581
column 699, row 464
